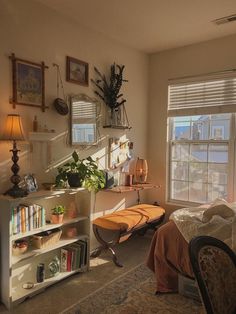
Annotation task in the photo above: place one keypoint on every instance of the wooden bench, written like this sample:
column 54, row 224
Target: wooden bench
column 119, row 226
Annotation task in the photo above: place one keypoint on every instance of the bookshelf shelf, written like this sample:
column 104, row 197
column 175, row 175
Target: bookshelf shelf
column 19, row 294
column 34, row 252
column 17, row 270
column 48, row 227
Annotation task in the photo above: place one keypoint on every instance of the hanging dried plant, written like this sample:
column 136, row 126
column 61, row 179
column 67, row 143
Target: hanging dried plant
column 109, row 91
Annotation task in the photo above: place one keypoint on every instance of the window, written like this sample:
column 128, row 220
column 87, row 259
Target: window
column 201, row 140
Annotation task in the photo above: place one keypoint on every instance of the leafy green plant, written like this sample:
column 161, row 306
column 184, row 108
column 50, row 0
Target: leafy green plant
column 91, row 177
column 58, row 210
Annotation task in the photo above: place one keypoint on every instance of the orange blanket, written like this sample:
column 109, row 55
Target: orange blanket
column 168, row 255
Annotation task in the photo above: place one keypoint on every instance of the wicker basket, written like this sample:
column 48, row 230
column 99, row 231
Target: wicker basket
column 46, row 239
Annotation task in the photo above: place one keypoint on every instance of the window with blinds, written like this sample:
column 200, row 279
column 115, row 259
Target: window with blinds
column 201, row 140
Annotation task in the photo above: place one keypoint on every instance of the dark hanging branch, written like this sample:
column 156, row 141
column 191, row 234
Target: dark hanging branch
column 109, row 91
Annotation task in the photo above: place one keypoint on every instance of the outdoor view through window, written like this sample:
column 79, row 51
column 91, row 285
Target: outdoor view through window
column 199, row 157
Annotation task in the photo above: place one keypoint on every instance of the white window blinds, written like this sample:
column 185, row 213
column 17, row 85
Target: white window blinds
column 207, row 96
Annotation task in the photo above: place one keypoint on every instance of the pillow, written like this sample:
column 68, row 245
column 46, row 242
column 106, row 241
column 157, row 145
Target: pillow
column 219, row 207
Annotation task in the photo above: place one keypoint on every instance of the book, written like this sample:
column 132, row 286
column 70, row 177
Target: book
column 83, row 258
column 43, row 222
column 14, row 220
column 69, row 258
column 76, row 260
column 64, row 254
column 22, row 218
column 31, row 216
column 27, row 218
column 18, row 220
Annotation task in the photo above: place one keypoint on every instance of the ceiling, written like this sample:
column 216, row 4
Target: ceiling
column 151, row 25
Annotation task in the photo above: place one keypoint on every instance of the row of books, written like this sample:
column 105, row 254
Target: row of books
column 27, row 217
column 74, row 256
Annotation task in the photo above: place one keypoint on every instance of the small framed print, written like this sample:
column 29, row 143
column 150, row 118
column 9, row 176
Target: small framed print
column 28, row 83
column 77, row 71
column 119, row 152
column 30, row 182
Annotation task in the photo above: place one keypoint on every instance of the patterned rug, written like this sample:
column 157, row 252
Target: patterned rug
column 134, row 293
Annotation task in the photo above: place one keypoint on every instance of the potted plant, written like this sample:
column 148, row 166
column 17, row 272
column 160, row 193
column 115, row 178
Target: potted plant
column 57, row 214
column 81, row 172
column 108, row 89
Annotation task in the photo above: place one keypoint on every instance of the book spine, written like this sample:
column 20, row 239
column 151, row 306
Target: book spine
column 22, row 216
column 34, row 217
column 31, row 217
column 43, row 217
column 40, row 216
column 69, row 258
column 18, row 220
column 27, row 227
column 64, row 254
column 14, row 221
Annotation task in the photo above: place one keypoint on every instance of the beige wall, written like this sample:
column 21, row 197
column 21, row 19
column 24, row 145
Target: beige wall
column 211, row 56
column 36, row 33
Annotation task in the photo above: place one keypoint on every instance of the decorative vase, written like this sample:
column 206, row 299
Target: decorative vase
column 57, row 219
column 74, row 180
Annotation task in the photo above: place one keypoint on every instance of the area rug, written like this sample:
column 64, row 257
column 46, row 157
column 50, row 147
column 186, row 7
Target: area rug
column 134, row 293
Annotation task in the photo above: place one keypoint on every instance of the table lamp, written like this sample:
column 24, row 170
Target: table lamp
column 141, row 170
column 13, row 131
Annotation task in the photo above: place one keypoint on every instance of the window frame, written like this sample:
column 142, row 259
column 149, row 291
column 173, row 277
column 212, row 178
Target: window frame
column 231, row 160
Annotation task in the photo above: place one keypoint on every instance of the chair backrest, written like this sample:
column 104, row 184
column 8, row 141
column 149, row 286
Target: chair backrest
column 214, row 266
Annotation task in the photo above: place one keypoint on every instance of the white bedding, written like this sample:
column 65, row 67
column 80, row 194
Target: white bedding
column 217, row 220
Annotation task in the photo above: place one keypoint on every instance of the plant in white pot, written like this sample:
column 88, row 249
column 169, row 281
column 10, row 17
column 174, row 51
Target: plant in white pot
column 57, row 214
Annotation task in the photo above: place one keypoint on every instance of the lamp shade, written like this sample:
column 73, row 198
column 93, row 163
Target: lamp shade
column 141, row 170
column 13, row 129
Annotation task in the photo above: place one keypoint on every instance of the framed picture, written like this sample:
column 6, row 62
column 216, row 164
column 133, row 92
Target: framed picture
column 30, row 182
column 77, row 71
column 28, row 83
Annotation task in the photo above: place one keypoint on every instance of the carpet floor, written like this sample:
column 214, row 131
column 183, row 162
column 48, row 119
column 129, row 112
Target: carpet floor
column 134, row 293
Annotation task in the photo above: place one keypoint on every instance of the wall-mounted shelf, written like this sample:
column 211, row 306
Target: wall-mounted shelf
column 42, row 136
column 132, row 188
column 122, row 127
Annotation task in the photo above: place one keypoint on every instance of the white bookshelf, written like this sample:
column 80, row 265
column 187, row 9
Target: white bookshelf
column 20, row 269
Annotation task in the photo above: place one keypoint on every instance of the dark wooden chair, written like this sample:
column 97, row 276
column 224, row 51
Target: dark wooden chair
column 214, row 266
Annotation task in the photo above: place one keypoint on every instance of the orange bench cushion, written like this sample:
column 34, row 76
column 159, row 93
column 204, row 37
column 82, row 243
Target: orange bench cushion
column 130, row 218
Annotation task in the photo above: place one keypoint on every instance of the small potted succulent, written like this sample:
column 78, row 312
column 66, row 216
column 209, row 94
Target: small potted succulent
column 57, row 214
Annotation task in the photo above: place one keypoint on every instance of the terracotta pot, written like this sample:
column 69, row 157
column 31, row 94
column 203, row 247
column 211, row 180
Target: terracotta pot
column 57, row 219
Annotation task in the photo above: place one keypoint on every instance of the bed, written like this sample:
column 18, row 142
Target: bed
column 168, row 255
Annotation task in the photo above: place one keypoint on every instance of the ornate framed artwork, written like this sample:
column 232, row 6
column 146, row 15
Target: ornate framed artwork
column 28, row 83
column 77, row 71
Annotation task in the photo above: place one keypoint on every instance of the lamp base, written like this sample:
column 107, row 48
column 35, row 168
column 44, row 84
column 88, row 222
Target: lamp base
column 16, row 191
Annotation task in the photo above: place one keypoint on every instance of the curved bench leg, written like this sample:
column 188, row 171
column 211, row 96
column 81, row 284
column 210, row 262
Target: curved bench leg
column 96, row 252
column 105, row 246
column 114, row 258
